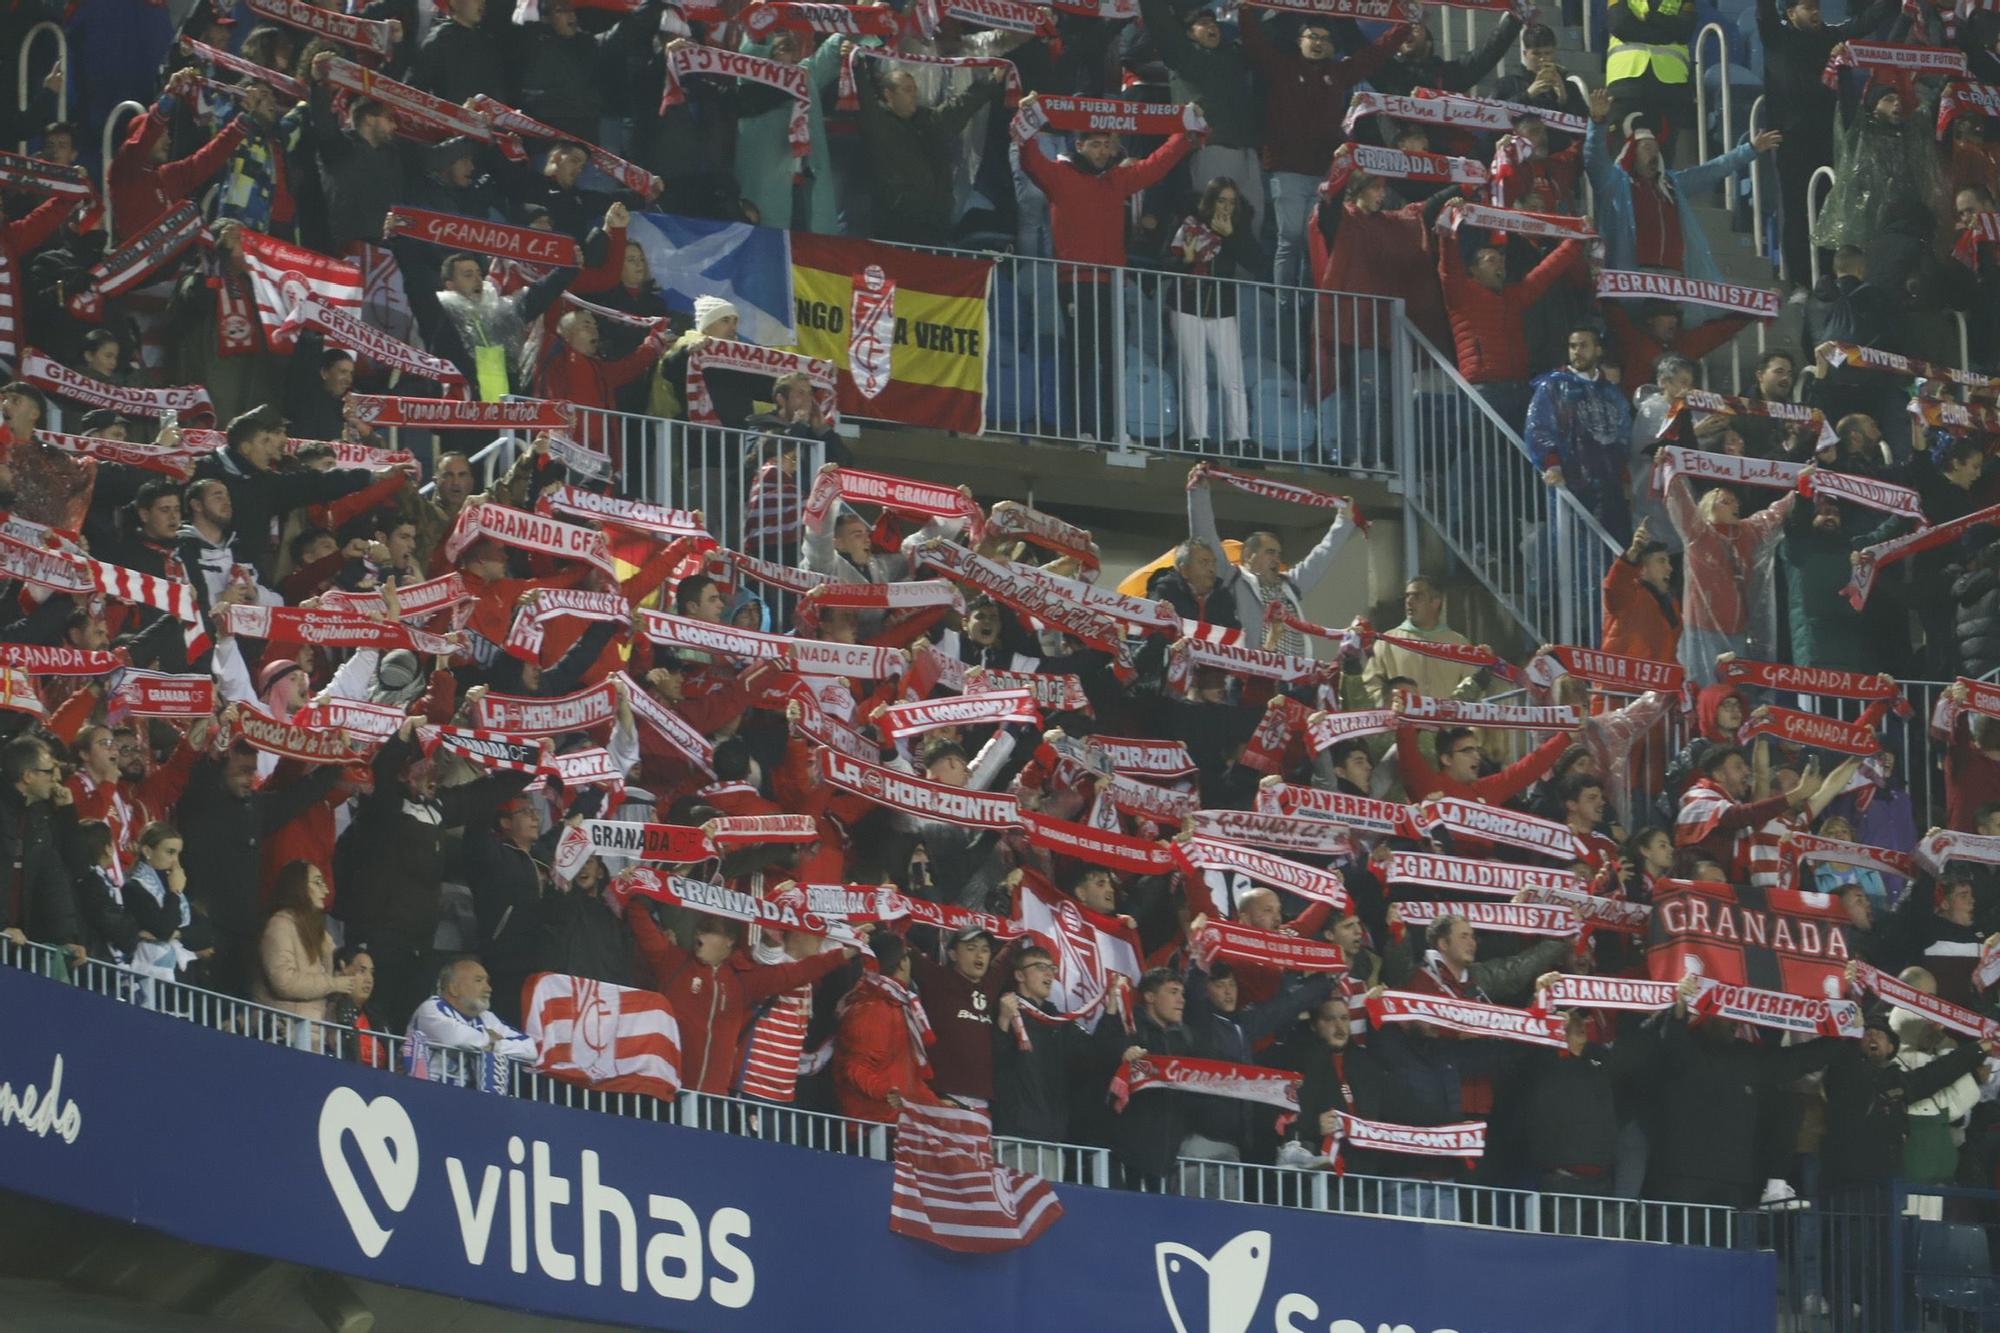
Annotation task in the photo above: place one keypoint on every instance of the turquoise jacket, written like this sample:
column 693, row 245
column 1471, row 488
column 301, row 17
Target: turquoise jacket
column 764, row 161
column 1613, row 189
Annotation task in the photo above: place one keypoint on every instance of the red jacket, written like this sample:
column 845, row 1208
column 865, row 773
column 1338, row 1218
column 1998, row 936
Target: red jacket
column 1636, row 622
column 1087, row 208
column 1638, row 350
column 142, row 191
column 1488, row 327
column 872, row 1057
column 569, row 376
column 712, row 1001
column 1386, row 253
column 1420, row 780
column 129, row 806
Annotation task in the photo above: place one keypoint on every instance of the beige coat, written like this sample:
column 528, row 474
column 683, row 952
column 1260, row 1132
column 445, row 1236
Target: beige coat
column 288, row 978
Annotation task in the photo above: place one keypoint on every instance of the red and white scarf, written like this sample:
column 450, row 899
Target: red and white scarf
column 1025, row 597
column 1362, row 813
column 1773, row 474
column 1044, row 530
column 1826, row 681
column 915, row 1020
column 1235, row 659
column 1473, row 876
column 1156, row 760
column 176, row 463
column 1872, row 558
column 373, row 35
column 1505, row 918
column 670, row 726
column 1779, row 1010
column 1760, row 302
column 488, row 749
column 1724, row 404
column 1826, row 733
column 506, row 118
column 1100, row 115
column 1983, row 229
column 47, row 660
column 288, row 740
column 1963, row 99
column 42, row 372
column 327, row 629
column 1005, row 15
column 1936, row 850
column 971, row 710
column 159, row 694
column 1595, row 911
column 1958, row 418
column 528, row 532
column 1869, row 358
column 1423, row 710
column 672, row 844
column 526, row 715
column 1121, row 852
column 775, row 914
column 1468, row 1018
column 1309, row 837
column 904, row 495
column 1264, row 948
column 724, row 565
column 358, row 717
column 1215, row 1078
column 1196, row 854
column 1901, row 61
column 1270, row 488
column 1980, row 697
column 1507, row 827
column 544, row 249
column 639, row 515
column 1951, row 1017
column 1054, row 692
column 916, row 796
column 57, row 571
column 343, row 329
column 1469, row 655
column 1369, row 11
column 848, row 94
column 1607, row 671
column 416, row 109
column 1352, row 157
column 1484, row 114
column 764, row 17
column 279, row 82
column 816, row 656
column 1139, row 615
column 1466, row 1138
column 173, row 596
column 750, row 359
column 1517, row 221
column 451, row 414
column 916, row 595
column 691, row 59
column 732, row 831
column 415, row 601
column 525, row 638
column 1630, row 993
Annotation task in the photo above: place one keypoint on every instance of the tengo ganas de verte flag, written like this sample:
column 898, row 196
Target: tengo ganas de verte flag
column 1773, row 939
column 907, row 330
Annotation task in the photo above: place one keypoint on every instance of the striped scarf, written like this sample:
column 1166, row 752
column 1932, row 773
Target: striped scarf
column 771, row 1060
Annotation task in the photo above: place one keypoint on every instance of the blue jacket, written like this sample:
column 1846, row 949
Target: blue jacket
column 1613, row 190
column 1584, row 426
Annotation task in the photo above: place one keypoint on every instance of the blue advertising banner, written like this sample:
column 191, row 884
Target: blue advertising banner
column 565, row 1212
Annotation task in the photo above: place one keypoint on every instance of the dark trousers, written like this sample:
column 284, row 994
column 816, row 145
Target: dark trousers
column 1804, row 150
column 405, row 976
column 1669, row 106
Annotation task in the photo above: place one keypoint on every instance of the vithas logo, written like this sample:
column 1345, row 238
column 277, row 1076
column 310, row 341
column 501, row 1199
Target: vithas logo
column 1225, row 1288
column 388, row 1143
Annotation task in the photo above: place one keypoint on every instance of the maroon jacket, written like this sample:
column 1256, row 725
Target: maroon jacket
column 141, row 191
column 1305, row 100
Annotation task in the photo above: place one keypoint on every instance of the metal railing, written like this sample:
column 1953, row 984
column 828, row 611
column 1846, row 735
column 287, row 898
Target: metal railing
column 1467, row 473
column 109, row 146
column 24, row 94
column 1162, row 361
column 1725, row 131
column 1813, row 201
column 1063, row 1163
column 1757, row 189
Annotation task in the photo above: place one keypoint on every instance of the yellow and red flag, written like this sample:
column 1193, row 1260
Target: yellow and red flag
column 907, row 330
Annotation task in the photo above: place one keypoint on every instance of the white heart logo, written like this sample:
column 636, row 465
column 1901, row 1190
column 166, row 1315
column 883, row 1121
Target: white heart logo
column 388, row 1143
column 1225, row 1287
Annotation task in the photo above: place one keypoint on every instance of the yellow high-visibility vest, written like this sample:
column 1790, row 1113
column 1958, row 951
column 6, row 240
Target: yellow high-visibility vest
column 1629, row 60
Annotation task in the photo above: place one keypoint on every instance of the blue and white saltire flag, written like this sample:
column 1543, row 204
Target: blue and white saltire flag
column 749, row 267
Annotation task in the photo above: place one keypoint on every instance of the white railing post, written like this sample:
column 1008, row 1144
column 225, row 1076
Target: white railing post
column 23, row 95
column 109, row 146
column 1701, row 97
column 1813, row 200
column 1116, row 435
column 1757, row 183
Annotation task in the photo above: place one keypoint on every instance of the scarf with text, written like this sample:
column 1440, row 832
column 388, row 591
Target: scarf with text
column 1812, row 729
column 673, row 844
column 765, row 17
column 690, row 59
column 1873, row 558
column 160, row 694
column 371, row 409
column 931, row 596
column 136, row 261
column 1099, row 115
column 176, row 463
column 1870, row 358
column 1365, row 814
column 1473, row 876
column 374, row 35
column 48, row 660
column 1270, row 488
column 1826, row 681
column 669, row 726
column 997, row 708
column 1457, row 110
column 1308, row 837
column 1673, row 461
column 488, row 749
column 1139, row 615
column 504, row 117
column 1981, row 697
column 55, row 570
column 418, row 113
column 918, row 797
column 1043, row 530
column 1615, row 672
column 528, row 532
column 527, row 245
column 1234, row 659
column 1216, row 1078
column 357, row 717
column 1894, row 62
column 927, row 499
column 189, row 400
column 1468, row 1018
column 526, row 715
column 1951, row 1017
column 1983, row 229
column 813, row 656
column 1075, row 765
column 280, row 83
column 848, row 92
column 346, row 453
column 288, row 740
column 1958, row 418
column 1369, row 11
column 1157, row 760
column 1778, row 1010
column 1760, row 302
column 1966, row 99
column 725, row 565
column 1472, row 656
column 343, row 330
column 1987, row 971
column 1724, row 404
column 1006, row 15
column 1569, row 991
column 327, row 629
column 638, row 515
column 1101, row 847
column 1352, row 157
column 1054, row 692
column 1518, row 221
column 778, row 913
column 1594, row 910
column 750, row 359
column 1264, row 948
column 1489, row 823
column 1505, row 918
column 524, row 640
column 18, row 693
column 417, row 600
column 732, row 831
column 1937, row 850
column 1466, row 1139
column 1026, row 598
column 1196, row 854
column 1423, row 710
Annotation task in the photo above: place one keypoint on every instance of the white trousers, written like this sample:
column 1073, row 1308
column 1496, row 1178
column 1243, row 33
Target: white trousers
column 1196, row 338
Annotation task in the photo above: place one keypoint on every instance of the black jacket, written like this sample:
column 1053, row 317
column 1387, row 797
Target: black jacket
column 1794, row 60
column 455, row 62
column 507, row 886
column 576, row 934
column 1399, row 76
column 262, row 498
column 111, row 933
column 36, row 895
column 224, row 840
column 1707, row 1093
column 1568, row 1108
column 1146, row 1136
column 1356, row 1081
column 1867, row 1115
column 1042, row 1092
column 362, row 183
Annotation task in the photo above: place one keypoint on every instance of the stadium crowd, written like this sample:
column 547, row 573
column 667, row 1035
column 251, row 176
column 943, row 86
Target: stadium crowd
column 925, row 810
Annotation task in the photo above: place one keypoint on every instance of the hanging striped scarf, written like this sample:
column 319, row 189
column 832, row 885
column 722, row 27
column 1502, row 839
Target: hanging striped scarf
column 771, row 1060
